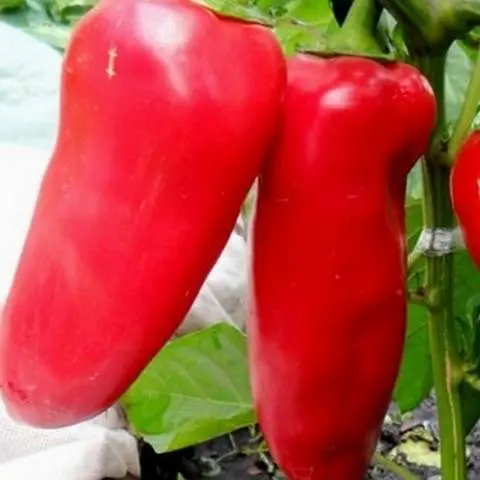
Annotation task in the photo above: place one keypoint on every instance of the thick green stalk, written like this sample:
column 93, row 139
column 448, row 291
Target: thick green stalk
column 361, row 22
column 432, row 26
column 438, row 213
column 357, row 34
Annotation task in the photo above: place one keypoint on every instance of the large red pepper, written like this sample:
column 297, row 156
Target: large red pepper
column 328, row 291
column 167, row 112
column 465, row 192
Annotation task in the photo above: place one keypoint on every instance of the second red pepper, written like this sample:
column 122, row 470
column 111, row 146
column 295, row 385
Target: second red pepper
column 328, row 293
column 465, row 192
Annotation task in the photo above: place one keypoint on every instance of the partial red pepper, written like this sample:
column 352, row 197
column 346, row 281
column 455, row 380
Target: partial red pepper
column 465, row 193
column 167, row 112
column 328, row 273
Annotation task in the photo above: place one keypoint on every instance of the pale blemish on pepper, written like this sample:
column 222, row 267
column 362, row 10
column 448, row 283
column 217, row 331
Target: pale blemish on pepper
column 303, row 473
column 112, row 57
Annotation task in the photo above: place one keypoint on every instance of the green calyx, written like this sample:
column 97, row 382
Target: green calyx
column 357, row 35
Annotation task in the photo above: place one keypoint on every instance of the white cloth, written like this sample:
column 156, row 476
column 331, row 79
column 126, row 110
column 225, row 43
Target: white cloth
column 91, row 450
column 100, row 448
column 29, row 89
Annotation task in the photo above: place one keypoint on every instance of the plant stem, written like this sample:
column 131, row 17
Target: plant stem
column 357, row 34
column 363, row 15
column 433, row 25
column 394, row 467
column 417, row 298
column 413, row 258
column 468, row 113
column 438, row 213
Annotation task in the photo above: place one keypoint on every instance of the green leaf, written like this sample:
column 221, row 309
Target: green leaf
column 244, row 10
column 466, row 282
column 294, row 37
column 36, row 21
column 414, row 182
column 195, row 389
column 312, row 12
column 68, row 11
column 414, row 221
column 55, row 35
column 459, row 69
column 11, row 4
column 301, row 24
column 470, row 400
column 469, row 335
column 415, row 380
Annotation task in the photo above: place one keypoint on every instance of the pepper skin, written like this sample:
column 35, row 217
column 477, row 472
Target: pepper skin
column 327, row 304
column 167, row 115
column 465, row 193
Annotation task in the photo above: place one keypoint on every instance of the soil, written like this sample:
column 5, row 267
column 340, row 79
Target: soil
column 239, row 456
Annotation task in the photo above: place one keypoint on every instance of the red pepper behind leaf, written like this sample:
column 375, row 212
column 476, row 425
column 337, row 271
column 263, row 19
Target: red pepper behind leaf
column 465, row 192
column 328, row 292
column 167, row 112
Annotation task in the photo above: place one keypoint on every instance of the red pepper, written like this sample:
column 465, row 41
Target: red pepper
column 465, row 193
column 328, row 291
column 167, row 112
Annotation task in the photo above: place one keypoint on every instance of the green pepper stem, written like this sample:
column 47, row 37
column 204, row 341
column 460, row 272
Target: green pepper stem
column 357, row 34
column 417, row 298
column 468, row 112
column 363, row 16
column 413, row 258
column 434, row 25
column 438, row 213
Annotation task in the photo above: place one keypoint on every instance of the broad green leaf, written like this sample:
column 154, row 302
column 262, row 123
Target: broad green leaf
column 414, row 182
column 240, row 9
column 414, row 221
column 11, row 4
column 469, row 335
column 272, row 8
column 68, row 11
column 470, row 400
column 195, row 389
column 55, row 35
column 36, row 21
column 312, row 12
column 294, row 37
column 302, row 24
column 415, row 380
column 459, row 68
column 466, row 282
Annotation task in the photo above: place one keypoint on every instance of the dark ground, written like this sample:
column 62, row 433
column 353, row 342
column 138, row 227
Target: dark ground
column 412, row 443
